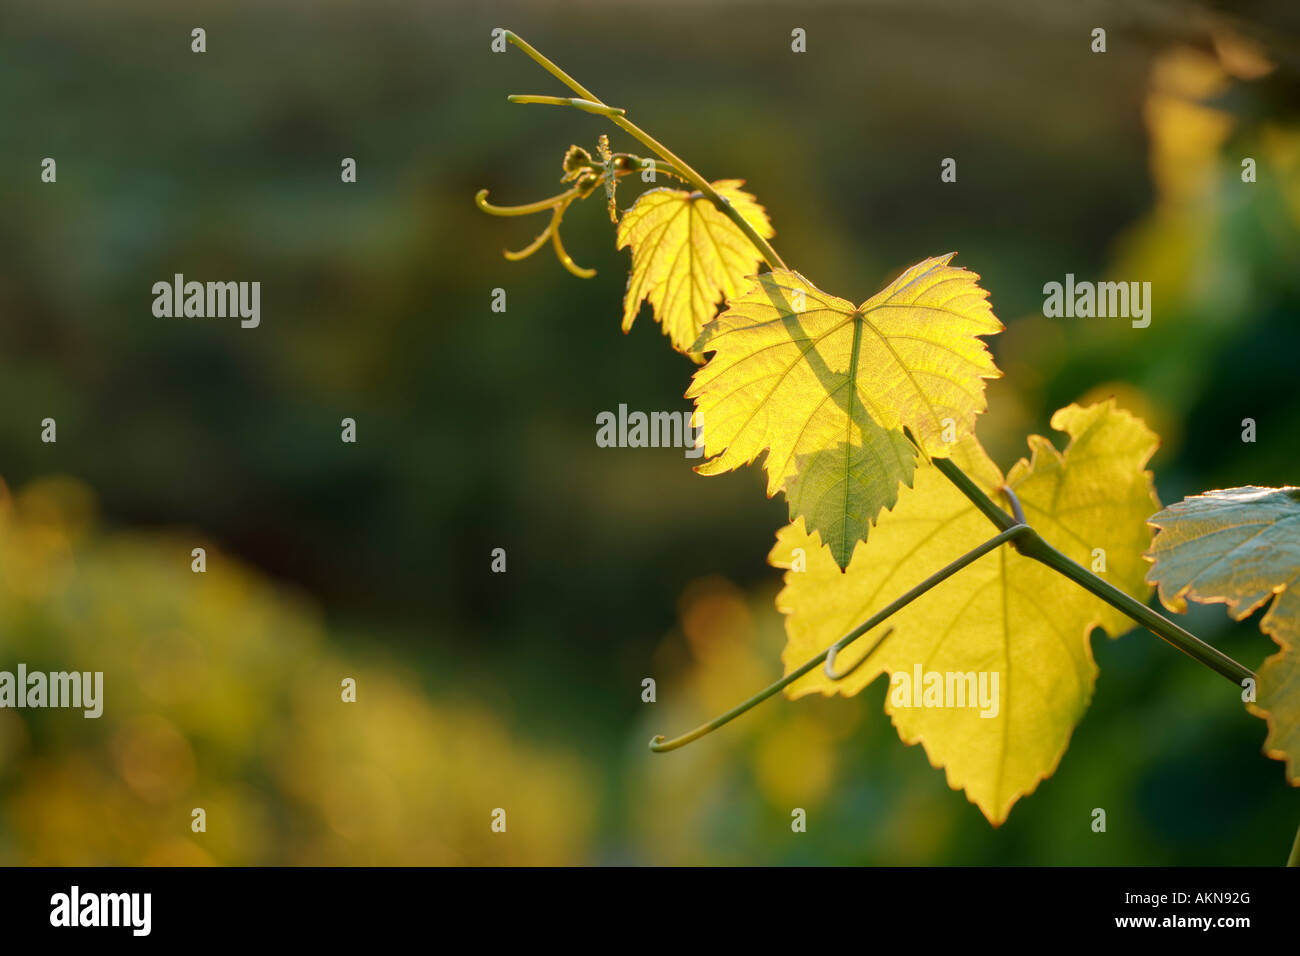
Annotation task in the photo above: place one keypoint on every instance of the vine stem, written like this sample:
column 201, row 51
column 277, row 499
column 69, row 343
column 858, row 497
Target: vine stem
column 1032, row 545
column 1294, row 859
column 592, row 103
column 658, row 745
column 1024, row 538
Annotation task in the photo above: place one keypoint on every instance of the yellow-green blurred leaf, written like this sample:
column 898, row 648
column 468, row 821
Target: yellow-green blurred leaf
column 222, row 691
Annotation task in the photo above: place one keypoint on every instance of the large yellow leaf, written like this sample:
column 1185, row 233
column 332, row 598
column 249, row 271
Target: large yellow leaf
column 687, row 256
column 825, row 388
column 1004, row 615
column 1241, row 547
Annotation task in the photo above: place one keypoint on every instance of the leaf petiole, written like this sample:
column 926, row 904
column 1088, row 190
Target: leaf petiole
column 1032, row 545
column 659, row 745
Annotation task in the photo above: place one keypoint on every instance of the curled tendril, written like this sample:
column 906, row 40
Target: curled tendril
column 586, row 173
column 586, row 182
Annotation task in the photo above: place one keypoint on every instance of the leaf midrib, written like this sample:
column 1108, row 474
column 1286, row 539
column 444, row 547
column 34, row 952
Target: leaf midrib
column 841, row 558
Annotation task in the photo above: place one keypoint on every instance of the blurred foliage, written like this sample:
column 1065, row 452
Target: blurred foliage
column 476, row 429
column 222, row 692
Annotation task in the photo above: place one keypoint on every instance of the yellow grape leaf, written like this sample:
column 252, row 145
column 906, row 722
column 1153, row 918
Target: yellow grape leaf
column 825, row 389
column 1006, row 625
column 1241, row 547
column 687, row 256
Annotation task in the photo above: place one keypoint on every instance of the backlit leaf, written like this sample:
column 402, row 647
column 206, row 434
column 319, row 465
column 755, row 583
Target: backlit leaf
column 825, row 388
column 687, row 257
column 1005, row 614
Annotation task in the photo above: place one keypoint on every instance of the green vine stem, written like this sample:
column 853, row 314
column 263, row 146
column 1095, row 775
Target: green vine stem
column 1294, row 859
column 1023, row 537
column 593, row 104
column 1033, row 546
column 658, row 745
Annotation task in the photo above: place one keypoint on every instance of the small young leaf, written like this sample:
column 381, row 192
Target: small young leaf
column 825, row 388
column 1241, row 547
column 687, row 256
column 1005, row 614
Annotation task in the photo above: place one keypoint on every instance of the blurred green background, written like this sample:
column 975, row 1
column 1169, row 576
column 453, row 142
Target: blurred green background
column 475, row 429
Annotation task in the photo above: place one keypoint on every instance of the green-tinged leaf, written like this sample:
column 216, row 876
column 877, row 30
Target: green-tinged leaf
column 687, row 257
column 1238, row 547
column 1241, row 547
column 1005, row 615
column 825, row 389
column 1277, row 702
